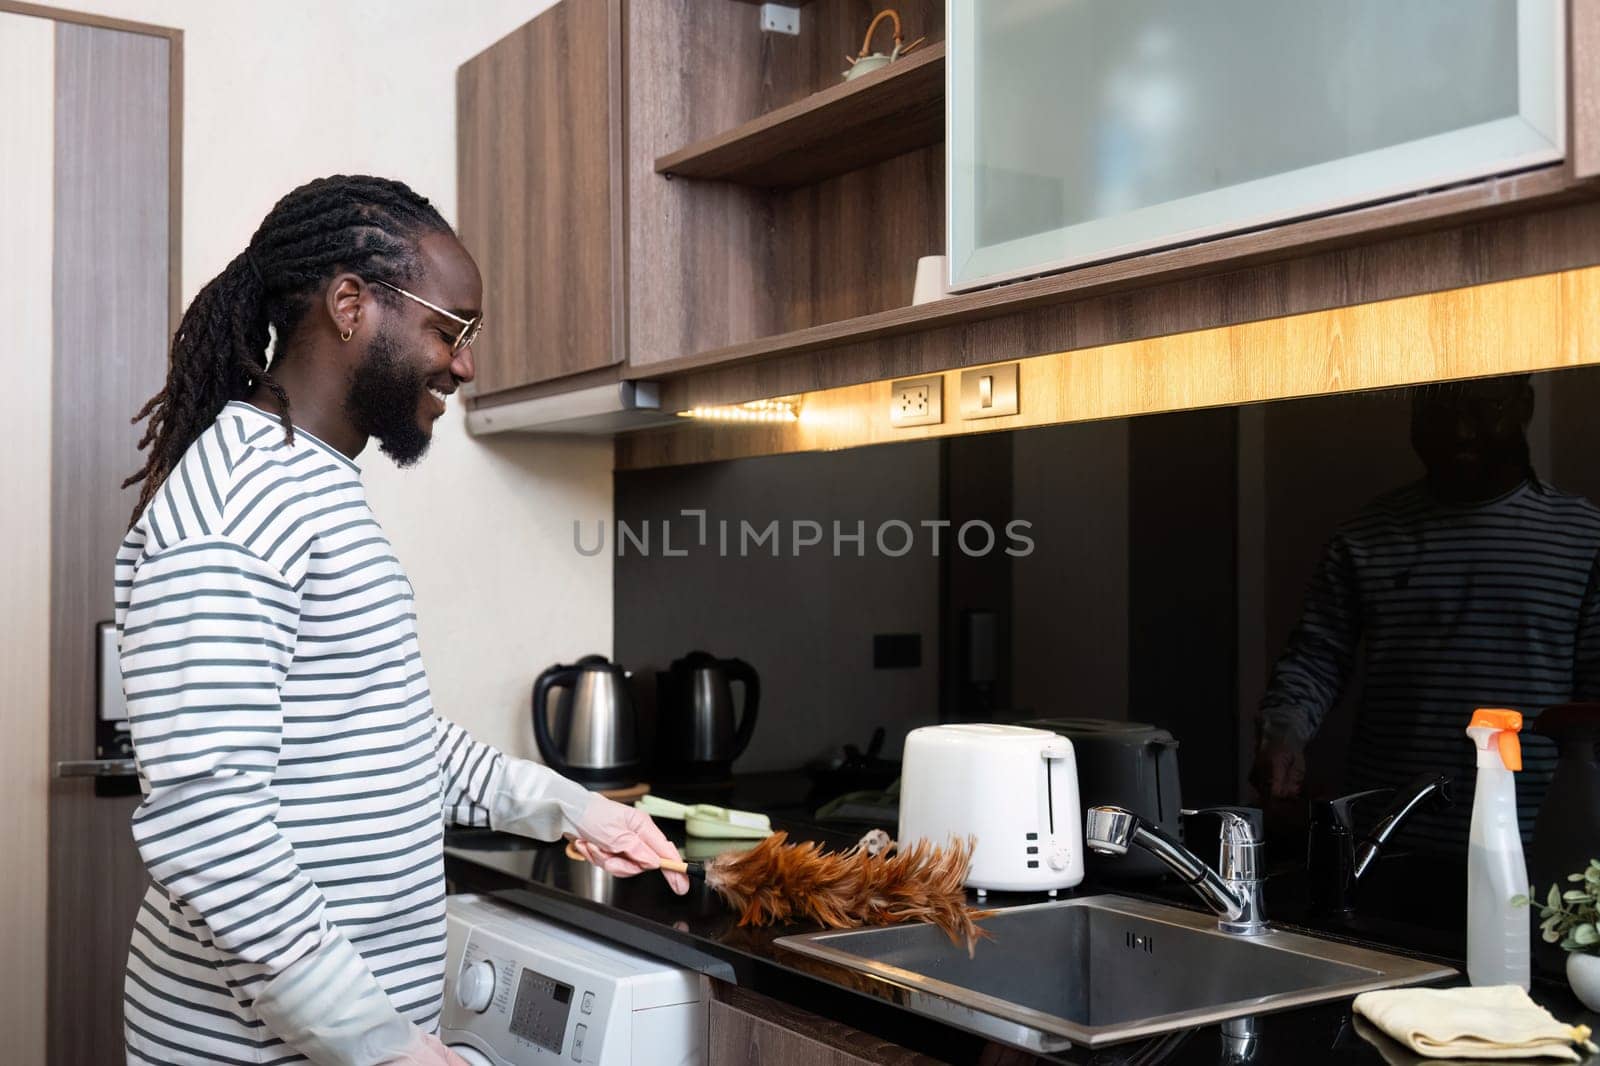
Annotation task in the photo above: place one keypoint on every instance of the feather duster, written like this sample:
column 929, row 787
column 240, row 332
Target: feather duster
column 874, row 883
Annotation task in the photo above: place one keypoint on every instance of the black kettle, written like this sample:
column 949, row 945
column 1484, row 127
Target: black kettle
column 585, row 722
column 698, row 731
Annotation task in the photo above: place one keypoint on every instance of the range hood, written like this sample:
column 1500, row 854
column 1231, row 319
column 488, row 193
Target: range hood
column 601, row 410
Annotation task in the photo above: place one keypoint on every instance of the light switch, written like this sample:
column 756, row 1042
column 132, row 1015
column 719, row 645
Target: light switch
column 989, row 392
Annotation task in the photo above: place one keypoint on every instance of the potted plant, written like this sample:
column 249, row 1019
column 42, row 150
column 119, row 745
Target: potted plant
column 1572, row 919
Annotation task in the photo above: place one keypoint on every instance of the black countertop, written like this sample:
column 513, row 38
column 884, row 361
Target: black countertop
column 699, row 932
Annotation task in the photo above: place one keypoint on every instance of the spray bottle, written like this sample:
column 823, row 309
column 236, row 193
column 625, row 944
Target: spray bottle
column 1497, row 933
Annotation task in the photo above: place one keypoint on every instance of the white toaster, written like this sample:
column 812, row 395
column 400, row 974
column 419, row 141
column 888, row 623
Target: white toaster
column 1014, row 789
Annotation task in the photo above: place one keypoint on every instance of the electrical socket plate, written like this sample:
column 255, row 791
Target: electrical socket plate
column 780, row 18
column 917, row 402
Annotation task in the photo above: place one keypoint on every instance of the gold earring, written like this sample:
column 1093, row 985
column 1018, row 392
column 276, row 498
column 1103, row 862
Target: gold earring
column 345, row 334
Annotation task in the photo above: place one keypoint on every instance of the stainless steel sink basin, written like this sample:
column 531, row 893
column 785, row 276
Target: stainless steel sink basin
column 1101, row 969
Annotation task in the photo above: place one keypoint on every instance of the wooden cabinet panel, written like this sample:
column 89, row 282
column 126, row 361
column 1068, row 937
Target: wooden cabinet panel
column 699, row 253
column 540, row 203
column 751, row 1030
column 1522, row 325
column 712, row 263
column 741, row 1039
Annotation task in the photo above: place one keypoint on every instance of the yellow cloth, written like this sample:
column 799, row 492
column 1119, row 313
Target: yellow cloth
column 1498, row 1022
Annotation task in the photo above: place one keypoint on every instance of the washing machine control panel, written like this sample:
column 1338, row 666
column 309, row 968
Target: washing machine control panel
column 540, row 1011
column 525, row 1012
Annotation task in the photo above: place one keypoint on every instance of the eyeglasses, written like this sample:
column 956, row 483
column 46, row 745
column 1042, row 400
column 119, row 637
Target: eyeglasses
column 469, row 326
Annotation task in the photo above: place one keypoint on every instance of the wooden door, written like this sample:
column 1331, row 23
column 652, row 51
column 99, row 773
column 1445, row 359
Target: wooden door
column 540, row 201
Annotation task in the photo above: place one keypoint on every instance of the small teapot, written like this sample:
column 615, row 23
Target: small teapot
column 866, row 63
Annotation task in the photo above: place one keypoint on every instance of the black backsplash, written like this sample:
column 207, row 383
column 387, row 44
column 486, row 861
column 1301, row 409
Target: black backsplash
column 1170, row 557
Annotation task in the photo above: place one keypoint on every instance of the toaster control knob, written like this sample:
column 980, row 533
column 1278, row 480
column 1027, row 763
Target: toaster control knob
column 475, row 990
column 1059, row 859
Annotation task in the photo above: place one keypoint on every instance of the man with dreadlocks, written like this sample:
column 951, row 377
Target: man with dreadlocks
column 293, row 769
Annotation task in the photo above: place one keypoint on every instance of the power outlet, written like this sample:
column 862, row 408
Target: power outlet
column 916, row 402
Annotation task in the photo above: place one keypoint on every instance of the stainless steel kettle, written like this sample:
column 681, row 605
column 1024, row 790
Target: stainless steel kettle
column 585, row 722
column 699, row 728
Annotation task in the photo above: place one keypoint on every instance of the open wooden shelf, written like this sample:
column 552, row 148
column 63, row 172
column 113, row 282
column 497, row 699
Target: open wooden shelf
column 852, row 125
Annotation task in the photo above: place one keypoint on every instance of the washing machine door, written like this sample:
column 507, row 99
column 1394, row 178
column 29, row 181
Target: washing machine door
column 471, row 1055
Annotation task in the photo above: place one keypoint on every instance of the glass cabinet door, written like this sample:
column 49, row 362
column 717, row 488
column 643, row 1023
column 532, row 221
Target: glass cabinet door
column 1084, row 130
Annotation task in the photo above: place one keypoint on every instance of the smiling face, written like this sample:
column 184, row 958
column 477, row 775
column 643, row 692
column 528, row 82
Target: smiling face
column 399, row 388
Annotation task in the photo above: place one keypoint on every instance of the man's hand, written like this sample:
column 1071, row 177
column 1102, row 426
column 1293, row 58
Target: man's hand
column 622, row 840
column 1280, row 769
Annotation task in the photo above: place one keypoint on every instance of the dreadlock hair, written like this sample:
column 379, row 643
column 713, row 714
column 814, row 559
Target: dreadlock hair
column 369, row 226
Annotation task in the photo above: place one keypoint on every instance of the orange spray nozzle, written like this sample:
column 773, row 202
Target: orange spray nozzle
column 1506, row 725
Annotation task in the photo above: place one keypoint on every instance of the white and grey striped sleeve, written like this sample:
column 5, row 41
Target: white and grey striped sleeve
column 207, row 640
column 468, row 771
column 482, row 787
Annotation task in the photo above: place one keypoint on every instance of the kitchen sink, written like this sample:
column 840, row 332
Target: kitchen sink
column 1100, row 969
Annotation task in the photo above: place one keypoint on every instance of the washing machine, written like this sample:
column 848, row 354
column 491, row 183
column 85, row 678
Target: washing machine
column 523, row 990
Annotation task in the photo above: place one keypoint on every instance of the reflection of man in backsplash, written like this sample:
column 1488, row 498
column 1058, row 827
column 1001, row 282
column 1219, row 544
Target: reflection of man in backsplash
column 1475, row 587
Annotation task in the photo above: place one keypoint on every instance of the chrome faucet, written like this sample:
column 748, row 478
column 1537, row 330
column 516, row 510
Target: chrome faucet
column 1235, row 894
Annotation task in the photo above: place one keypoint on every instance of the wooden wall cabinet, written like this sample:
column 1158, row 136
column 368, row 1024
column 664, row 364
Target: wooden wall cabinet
column 659, row 190
column 644, row 181
column 540, row 197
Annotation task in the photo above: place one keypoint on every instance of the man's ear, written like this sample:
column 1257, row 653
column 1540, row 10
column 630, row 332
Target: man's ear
column 345, row 296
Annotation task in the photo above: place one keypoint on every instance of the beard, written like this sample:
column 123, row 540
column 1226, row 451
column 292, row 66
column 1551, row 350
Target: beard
column 385, row 391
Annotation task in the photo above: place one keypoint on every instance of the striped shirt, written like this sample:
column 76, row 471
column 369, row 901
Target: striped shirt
column 293, row 768
column 1485, row 605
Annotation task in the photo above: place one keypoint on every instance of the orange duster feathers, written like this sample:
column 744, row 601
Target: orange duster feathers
column 778, row 882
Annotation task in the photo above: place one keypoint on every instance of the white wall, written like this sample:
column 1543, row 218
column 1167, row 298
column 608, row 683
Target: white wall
column 27, row 72
column 278, row 93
